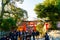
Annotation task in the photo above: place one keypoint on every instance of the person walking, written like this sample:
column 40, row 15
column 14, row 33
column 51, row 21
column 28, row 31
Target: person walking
column 24, row 35
column 15, row 35
column 11, row 34
column 46, row 37
column 33, row 34
column 20, row 34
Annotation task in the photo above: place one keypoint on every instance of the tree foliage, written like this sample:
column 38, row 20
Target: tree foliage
column 10, row 15
column 49, row 8
column 18, row 12
column 8, row 24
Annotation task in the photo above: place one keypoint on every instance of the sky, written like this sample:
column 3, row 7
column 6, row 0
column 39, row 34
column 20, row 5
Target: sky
column 29, row 5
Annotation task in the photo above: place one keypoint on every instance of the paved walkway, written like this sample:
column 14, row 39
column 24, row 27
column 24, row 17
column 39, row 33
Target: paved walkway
column 54, row 33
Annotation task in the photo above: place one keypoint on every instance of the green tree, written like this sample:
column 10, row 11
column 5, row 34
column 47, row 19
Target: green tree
column 8, row 24
column 10, row 15
column 18, row 12
column 5, row 2
column 49, row 9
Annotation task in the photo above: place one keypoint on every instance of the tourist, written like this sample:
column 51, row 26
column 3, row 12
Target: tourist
column 46, row 37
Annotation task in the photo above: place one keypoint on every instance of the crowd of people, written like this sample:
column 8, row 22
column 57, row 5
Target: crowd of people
column 20, row 35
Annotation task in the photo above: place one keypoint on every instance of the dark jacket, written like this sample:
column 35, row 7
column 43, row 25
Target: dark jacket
column 46, row 37
column 3, row 38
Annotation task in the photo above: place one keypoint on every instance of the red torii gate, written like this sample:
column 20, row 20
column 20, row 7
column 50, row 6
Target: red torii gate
column 31, row 23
